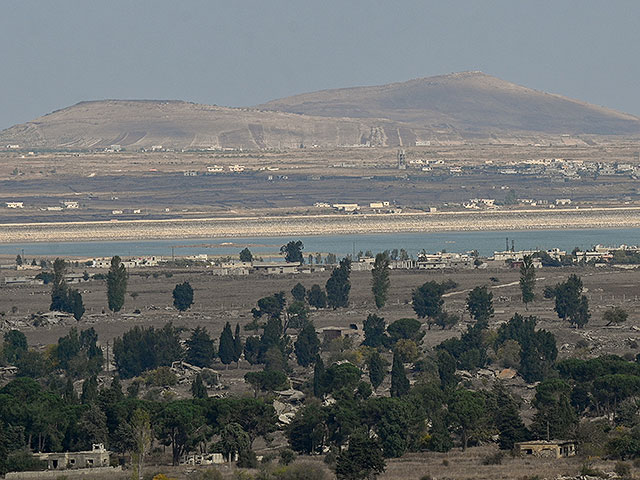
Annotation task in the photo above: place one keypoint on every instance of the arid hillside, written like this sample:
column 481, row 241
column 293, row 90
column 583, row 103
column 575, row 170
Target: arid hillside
column 450, row 109
column 136, row 124
column 466, row 103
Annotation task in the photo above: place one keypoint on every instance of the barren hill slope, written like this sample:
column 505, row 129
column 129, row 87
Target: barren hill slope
column 450, row 108
column 182, row 125
column 468, row 102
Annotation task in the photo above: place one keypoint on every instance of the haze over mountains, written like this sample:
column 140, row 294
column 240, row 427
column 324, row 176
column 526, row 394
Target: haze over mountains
column 469, row 106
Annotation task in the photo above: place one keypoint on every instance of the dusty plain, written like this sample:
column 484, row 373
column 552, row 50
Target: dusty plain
column 277, row 190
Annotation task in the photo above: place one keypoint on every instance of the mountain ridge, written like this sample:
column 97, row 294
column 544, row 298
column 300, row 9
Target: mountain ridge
column 458, row 107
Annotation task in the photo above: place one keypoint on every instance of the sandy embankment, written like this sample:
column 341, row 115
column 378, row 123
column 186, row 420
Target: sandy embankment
column 321, row 225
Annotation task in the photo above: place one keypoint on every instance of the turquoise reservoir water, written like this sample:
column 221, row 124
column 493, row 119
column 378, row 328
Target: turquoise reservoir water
column 485, row 242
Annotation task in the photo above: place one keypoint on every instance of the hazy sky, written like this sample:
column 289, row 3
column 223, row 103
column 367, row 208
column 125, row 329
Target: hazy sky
column 239, row 53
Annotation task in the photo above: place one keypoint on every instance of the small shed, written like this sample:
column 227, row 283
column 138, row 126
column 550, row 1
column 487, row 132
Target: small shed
column 546, row 448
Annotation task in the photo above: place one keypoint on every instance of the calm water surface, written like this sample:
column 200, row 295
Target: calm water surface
column 485, row 242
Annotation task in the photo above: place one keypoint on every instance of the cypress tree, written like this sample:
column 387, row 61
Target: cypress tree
column 307, row 345
column 318, row 378
column 89, row 390
column 69, row 392
column 380, row 279
column 338, row 286
column 200, row 348
column 76, row 304
column 399, row 380
column 59, row 297
column 116, row 284
column 226, row 349
column 198, row 390
column 527, row 280
column 377, row 370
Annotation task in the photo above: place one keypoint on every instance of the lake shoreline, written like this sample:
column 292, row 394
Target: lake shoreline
column 236, row 227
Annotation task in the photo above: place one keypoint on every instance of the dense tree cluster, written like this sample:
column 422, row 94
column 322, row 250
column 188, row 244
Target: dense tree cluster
column 142, row 349
column 44, row 420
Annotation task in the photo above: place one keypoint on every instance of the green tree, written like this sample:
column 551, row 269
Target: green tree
column 200, row 348
column 538, row 349
column 507, row 419
column 198, row 390
column 183, row 296
column 267, row 380
column 317, row 297
column 116, row 284
column 141, row 349
column 319, row 378
column 252, row 350
column 76, row 304
column 615, row 315
column 569, row 302
column 363, row 459
column 397, row 422
column 59, row 296
column 377, row 369
column 343, row 376
column 555, row 417
column 428, row 302
column 14, row 346
column 447, row 320
column 298, row 314
column 298, row 292
column 527, row 280
column 179, row 424
column 19, row 260
column 89, row 390
column 446, row 369
column 374, row 331
column 380, row 279
column 79, row 354
column 307, row 345
column 405, row 329
column 226, row 350
column 480, row 303
column 234, row 440
column 246, row 255
column 399, row 380
column 307, row 432
column 338, row 286
column 466, row 410
column 292, row 251
column 271, row 306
